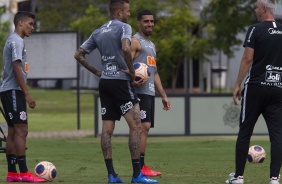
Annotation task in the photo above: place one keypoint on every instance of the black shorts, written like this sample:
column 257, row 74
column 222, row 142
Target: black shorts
column 117, row 97
column 147, row 108
column 14, row 105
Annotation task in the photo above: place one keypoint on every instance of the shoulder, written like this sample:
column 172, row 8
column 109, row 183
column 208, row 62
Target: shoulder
column 135, row 40
column 135, row 43
column 15, row 40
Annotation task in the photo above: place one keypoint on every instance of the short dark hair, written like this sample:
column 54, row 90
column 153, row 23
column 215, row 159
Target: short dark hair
column 22, row 15
column 143, row 12
column 116, row 4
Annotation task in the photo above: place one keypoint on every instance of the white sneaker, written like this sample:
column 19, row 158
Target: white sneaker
column 274, row 180
column 239, row 179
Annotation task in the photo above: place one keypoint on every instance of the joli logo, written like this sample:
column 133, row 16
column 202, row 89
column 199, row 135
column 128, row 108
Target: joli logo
column 273, row 76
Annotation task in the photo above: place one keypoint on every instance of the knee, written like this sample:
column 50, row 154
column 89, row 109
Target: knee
column 21, row 131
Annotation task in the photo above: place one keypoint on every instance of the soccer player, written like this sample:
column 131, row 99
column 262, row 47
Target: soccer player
column 117, row 95
column 14, row 96
column 262, row 93
column 143, row 50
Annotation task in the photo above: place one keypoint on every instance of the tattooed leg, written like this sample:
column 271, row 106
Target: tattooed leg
column 107, row 132
column 133, row 119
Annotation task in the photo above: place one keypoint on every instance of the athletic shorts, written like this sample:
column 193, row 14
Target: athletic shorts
column 147, row 108
column 14, row 105
column 117, row 97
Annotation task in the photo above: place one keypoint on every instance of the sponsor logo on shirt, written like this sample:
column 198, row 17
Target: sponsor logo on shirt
column 152, row 87
column 106, row 58
column 270, row 67
column 111, row 69
column 272, row 76
column 273, row 31
column 105, row 30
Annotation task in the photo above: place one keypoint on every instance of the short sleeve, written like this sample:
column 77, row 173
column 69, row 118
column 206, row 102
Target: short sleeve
column 17, row 50
column 126, row 32
column 89, row 45
column 250, row 37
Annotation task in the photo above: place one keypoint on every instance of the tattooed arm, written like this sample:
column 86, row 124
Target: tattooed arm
column 80, row 57
column 127, row 56
column 129, row 61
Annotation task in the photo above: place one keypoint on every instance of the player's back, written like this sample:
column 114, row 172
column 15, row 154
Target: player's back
column 108, row 39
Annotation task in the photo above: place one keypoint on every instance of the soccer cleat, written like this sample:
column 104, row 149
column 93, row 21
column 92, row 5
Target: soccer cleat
column 149, row 172
column 143, row 179
column 112, row 179
column 274, row 180
column 13, row 177
column 30, row 178
column 239, row 179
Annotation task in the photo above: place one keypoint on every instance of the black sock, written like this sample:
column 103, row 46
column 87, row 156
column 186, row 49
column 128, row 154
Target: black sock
column 142, row 159
column 12, row 161
column 136, row 167
column 110, row 167
column 22, row 163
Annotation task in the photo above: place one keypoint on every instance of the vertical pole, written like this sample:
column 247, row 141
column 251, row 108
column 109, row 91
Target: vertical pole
column 185, row 75
column 78, row 96
column 78, row 87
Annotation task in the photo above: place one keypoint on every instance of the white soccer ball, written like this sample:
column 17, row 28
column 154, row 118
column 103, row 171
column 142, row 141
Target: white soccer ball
column 141, row 71
column 256, row 154
column 45, row 170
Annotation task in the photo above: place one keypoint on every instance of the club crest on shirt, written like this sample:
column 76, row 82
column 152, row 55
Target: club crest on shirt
column 143, row 114
column 23, row 115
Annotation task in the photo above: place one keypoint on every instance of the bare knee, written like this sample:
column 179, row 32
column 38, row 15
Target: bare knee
column 21, row 130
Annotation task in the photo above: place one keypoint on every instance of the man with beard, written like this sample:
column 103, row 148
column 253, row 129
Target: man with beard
column 144, row 51
column 117, row 95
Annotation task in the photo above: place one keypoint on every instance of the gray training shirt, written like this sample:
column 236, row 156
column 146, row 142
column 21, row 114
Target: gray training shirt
column 147, row 56
column 14, row 50
column 107, row 39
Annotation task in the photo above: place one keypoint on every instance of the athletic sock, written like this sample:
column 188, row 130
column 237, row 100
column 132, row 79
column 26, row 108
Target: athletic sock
column 110, row 167
column 136, row 167
column 12, row 161
column 142, row 159
column 22, row 163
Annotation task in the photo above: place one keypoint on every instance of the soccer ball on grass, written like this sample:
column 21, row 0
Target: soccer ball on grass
column 256, row 154
column 45, row 170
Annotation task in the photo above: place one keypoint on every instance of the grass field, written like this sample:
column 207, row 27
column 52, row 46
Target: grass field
column 182, row 160
column 56, row 110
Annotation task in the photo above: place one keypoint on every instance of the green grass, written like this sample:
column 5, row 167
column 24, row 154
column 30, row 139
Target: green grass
column 56, row 110
column 182, row 160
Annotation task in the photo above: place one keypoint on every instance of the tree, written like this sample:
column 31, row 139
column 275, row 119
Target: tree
column 93, row 18
column 228, row 18
column 4, row 31
column 174, row 41
column 222, row 20
column 55, row 15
